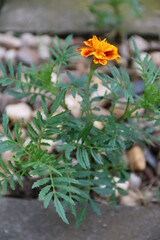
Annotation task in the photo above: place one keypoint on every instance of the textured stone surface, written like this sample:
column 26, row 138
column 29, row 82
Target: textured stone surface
column 27, row 220
column 44, row 16
column 67, row 16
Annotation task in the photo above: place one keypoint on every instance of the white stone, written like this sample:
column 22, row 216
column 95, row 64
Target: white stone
column 98, row 125
column 11, row 56
column 100, row 92
column 50, row 147
column 9, row 41
column 73, row 104
column 43, row 52
column 29, row 40
column 45, row 40
column 102, row 112
column 19, row 111
column 135, row 181
column 128, row 201
column 156, row 58
column 53, row 77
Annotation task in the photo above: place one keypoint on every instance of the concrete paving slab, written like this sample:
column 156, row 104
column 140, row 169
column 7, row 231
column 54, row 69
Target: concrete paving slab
column 27, row 220
column 67, row 16
column 40, row 16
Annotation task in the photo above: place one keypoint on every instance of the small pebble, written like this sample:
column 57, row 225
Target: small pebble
column 19, row 111
column 27, row 56
column 137, row 161
column 134, row 182
column 10, row 41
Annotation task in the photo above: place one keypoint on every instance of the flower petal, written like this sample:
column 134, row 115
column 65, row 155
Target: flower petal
column 103, row 61
column 86, row 52
column 96, row 60
column 89, row 42
column 100, row 55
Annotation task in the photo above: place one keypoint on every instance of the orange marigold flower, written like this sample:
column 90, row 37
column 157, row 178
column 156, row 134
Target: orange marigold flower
column 100, row 49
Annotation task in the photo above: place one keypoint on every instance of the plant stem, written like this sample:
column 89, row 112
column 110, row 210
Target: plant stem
column 91, row 72
column 125, row 113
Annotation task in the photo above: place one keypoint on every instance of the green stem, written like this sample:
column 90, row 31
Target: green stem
column 52, row 183
column 91, row 72
column 58, row 73
column 125, row 113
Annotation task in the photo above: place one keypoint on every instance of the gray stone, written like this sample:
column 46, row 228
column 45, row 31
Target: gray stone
column 11, row 55
column 29, row 40
column 2, row 53
column 43, row 52
column 68, row 16
column 9, row 41
column 27, row 56
column 27, row 220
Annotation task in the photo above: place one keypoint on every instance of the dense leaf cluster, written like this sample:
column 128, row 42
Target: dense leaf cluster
column 87, row 159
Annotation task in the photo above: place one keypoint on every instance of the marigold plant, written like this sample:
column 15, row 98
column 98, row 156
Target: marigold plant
column 86, row 159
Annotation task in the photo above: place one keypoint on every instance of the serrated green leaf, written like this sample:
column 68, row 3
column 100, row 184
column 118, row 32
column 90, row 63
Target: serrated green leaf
column 79, row 157
column 66, row 198
column 5, row 121
column 11, row 70
column 16, row 130
column 32, row 131
column 19, row 72
column 95, row 207
column 59, row 43
column 3, row 70
column 60, row 210
column 103, row 191
column 36, row 123
column 44, row 191
column 18, row 95
column 96, row 157
column 2, row 175
column 33, row 98
column 47, row 199
column 19, row 180
column 45, row 109
column 81, row 216
column 85, row 157
column 67, row 180
column 73, row 92
column 11, row 166
column 68, row 41
column 3, row 166
column 68, row 189
column 73, row 210
column 40, row 182
column 11, row 182
column 85, row 182
column 40, row 118
column 122, row 191
column 85, row 131
column 4, row 187
column 68, row 150
column 58, row 101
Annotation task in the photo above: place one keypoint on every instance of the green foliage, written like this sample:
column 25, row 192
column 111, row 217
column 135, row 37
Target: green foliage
column 60, row 178
column 110, row 13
